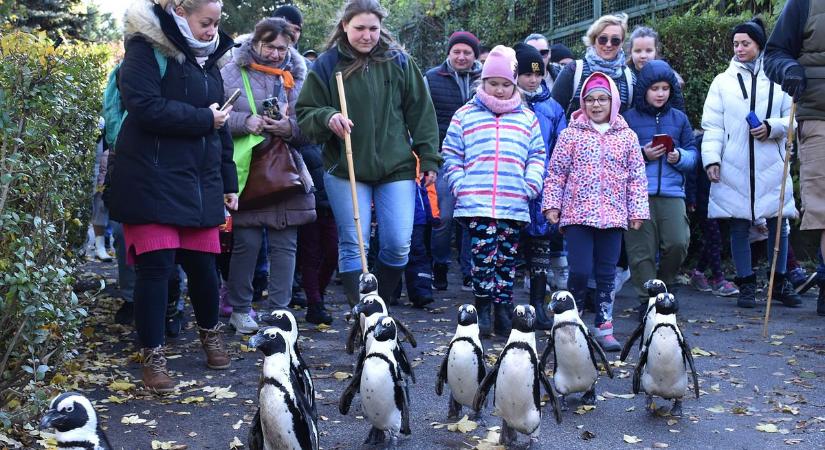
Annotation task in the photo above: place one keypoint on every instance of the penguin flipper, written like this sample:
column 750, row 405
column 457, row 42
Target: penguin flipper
column 354, row 386
column 308, row 436
column 595, row 345
column 407, row 333
column 635, row 335
column 637, row 374
column 551, row 342
column 688, row 356
column 354, row 338
column 489, row 380
column 554, row 396
column 405, row 414
column 442, row 374
column 404, row 361
column 255, row 440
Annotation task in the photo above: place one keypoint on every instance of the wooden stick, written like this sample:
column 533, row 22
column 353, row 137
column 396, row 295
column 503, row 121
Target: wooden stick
column 348, row 144
column 780, row 220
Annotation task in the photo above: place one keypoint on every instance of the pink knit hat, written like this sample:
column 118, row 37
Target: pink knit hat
column 501, row 62
column 597, row 83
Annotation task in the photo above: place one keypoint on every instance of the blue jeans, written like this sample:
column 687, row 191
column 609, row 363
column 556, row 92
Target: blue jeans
column 588, row 249
column 394, row 210
column 740, row 246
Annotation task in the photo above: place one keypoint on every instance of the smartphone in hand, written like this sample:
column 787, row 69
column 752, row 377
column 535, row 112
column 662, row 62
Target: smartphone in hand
column 753, row 120
column 231, row 99
column 663, row 139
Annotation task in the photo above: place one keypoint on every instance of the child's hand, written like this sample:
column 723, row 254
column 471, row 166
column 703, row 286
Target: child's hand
column 552, row 216
column 635, row 224
column 654, row 153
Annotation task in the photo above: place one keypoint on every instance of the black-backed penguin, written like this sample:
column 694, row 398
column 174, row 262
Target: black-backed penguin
column 284, row 419
column 463, row 367
column 75, row 422
column 654, row 288
column 516, row 377
column 665, row 358
column 284, row 320
column 368, row 309
column 380, row 379
column 575, row 368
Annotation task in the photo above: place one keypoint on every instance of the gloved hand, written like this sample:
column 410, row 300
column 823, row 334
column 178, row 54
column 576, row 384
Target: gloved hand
column 795, row 82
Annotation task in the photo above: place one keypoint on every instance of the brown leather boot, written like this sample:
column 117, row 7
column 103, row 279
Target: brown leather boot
column 212, row 342
column 155, row 375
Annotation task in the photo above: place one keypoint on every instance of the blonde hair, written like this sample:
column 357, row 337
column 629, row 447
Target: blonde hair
column 189, row 6
column 603, row 22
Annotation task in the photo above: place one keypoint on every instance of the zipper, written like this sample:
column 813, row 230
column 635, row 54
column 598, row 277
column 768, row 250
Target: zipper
column 495, row 169
column 659, row 174
column 601, row 176
column 752, row 152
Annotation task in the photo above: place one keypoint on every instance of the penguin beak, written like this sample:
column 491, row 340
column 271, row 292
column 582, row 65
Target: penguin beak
column 52, row 419
column 255, row 341
column 466, row 317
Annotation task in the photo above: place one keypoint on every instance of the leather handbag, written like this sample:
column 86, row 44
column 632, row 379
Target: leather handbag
column 273, row 174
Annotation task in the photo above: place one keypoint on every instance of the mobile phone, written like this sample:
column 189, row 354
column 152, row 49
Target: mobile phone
column 231, row 99
column 272, row 109
column 663, row 139
column 753, row 120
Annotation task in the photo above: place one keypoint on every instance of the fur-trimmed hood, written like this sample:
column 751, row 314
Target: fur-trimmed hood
column 242, row 57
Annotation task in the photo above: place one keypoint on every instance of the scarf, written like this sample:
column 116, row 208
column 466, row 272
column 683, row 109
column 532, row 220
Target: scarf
column 752, row 65
column 614, row 69
column 499, row 106
column 289, row 81
column 539, row 95
column 463, row 78
column 201, row 50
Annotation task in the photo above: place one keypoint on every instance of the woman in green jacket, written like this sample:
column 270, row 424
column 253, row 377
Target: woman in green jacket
column 393, row 126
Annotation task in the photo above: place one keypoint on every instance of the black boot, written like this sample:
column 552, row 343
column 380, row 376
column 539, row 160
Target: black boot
column 784, row 292
column 747, row 291
column 388, row 279
column 350, row 282
column 820, row 300
column 318, row 314
column 504, row 319
column 440, row 277
column 485, row 324
column 538, row 289
column 126, row 314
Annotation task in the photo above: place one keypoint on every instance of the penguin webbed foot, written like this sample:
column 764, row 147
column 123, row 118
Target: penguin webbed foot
column 533, row 443
column 650, row 405
column 508, row 435
column 392, row 442
column 375, row 437
column 589, row 397
column 454, row 409
column 478, row 418
column 563, row 403
column 676, row 409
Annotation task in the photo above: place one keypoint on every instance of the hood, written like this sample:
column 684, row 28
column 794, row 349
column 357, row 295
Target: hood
column 142, row 19
column 615, row 101
column 294, row 63
column 654, row 72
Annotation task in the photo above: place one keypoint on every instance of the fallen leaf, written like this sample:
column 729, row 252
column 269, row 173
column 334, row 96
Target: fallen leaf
column 672, row 422
column 121, row 385
column 718, row 409
column 696, row 351
column 169, row 445
column 340, row 376
column 767, row 428
column 189, row 400
column 465, row 425
column 584, row 409
column 660, row 445
column 116, row 399
column 236, row 443
column 807, row 374
column 218, row 393
column 631, row 439
column 793, row 441
column 237, row 425
column 132, row 419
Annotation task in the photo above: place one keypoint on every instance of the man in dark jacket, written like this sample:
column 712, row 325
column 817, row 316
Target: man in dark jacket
column 451, row 86
column 795, row 58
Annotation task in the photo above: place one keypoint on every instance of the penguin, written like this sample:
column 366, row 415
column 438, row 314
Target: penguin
column 75, row 422
column 463, row 367
column 516, row 377
column 665, row 358
column 575, row 368
column 368, row 309
column 380, row 379
column 285, row 321
column 284, row 419
column 654, row 288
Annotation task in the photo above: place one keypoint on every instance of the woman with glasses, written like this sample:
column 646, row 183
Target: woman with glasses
column 268, row 67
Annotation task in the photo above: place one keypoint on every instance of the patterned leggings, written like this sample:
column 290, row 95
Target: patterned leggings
column 493, row 247
column 711, row 252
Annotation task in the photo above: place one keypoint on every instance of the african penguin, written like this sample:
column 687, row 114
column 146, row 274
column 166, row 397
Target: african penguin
column 516, row 377
column 654, row 288
column 284, row 419
column 75, row 422
column 285, row 321
column 368, row 309
column 665, row 358
column 380, row 379
column 463, row 367
column 575, row 368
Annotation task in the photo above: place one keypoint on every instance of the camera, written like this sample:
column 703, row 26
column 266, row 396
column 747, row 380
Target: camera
column 272, row 109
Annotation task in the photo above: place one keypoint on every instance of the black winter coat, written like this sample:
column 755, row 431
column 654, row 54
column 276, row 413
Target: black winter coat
column 172, row 166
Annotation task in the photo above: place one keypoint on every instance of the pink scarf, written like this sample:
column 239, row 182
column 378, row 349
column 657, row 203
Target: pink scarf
column 499, row 106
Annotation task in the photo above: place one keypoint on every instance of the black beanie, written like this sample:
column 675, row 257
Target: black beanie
column 463, row 37
column 755, row 29
column 529, row 59
column 559, row 52
column 290, row 13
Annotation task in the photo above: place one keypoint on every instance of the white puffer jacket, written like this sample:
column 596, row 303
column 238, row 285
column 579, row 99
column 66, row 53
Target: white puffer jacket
column 751, row 170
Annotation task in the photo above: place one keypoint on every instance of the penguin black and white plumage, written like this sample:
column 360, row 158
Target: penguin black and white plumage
column 75, row 422
column 516, row 377
column 463, row 367
column 665, row 358
column 284, row 419
column 654, row 288
column 575, row 368
column 368, row 309
column 380, row 379
column 285, row 321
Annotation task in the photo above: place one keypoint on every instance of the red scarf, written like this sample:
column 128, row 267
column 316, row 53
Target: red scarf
column 289, row 82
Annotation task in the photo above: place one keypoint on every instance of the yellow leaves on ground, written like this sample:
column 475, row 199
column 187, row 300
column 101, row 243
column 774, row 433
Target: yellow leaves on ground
column 584, row 409
column 236, row 443
column 696, row 351
column 121, row 385
column 132, row 419
column 340, row 376
column 169, row 445
column 465, row 425
column 193, row 399
column 219, row 393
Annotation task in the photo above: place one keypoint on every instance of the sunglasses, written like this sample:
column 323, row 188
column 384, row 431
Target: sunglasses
column 614, row 41
column 545, row 52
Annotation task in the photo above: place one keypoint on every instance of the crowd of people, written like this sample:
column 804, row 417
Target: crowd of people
column 582, row 172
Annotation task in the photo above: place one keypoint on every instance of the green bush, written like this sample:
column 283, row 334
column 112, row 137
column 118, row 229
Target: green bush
column 49, row 108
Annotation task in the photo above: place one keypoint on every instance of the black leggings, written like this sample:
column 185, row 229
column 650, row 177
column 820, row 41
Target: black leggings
column 153, row 270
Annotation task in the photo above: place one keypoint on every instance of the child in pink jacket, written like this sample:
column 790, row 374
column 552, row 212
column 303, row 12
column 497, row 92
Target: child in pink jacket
column 595, row 187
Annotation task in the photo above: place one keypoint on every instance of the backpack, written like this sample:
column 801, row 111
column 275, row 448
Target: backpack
column 114, row 113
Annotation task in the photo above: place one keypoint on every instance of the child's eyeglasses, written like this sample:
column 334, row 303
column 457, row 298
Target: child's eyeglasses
column 590, row 101
column 614, row 41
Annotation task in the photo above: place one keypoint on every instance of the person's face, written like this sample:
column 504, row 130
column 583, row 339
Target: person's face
column 203, row 21
column 274, row 51
column 744, row 47
column 461, row 56
column 500, row 88
column 657, row 94
column 597, row 107
column 642, row 51
column 609, row 41
column 483, row 57
column 529, row 81
column 543, row 47
column 565, row 61
column 363, row 32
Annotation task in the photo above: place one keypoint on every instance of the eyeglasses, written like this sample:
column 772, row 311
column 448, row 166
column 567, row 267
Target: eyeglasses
column 590, row 101
column 272, row 48
column 614, row 41
column 545, row 52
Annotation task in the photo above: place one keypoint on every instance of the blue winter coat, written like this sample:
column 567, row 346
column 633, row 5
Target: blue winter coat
column 423, row 212
column 663, row 179
column 551, row 120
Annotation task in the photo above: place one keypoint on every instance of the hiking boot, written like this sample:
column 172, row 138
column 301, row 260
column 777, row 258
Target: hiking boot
column 723, row 288
column 784, row 292
column 243, row 323
column 467, row 284
column 125, row 315
column 700, row 282
column 604, row 336
column 504, row 319
column 820, row 300
column 212, row 343
column 747, row 292
column 538, row 290
column 809, row 282
column 485, row 324
column 318, row 314
column 440, row 276
column 154, row 373
column 560, row 272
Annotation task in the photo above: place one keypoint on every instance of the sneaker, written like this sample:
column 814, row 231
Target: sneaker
column 797, row 276
column 243, row 323
column 724, row 288
column 700, row 282
column 807, row 283
column 622, row 275
column 467, row 284
column 605, row 338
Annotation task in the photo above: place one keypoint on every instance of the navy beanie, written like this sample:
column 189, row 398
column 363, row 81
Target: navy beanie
column 755, row 29
column 290, row 13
